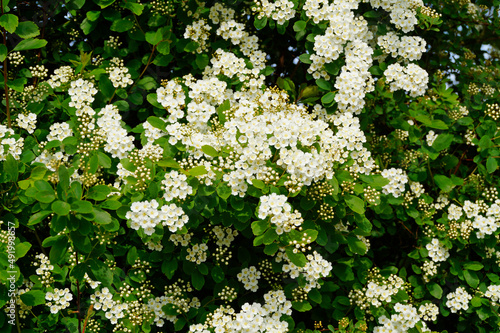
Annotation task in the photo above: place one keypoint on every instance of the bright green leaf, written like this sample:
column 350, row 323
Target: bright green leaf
column 30, row 44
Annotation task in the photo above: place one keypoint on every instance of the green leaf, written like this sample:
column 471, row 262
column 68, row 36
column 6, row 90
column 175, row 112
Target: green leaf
column 82, row 206
column 270, row 236
column 17, row 84
column 435, row 290
column 164, row 47
column 343, row 272
column 98, row 192
column 169, row 163
column 135, row 8
column 299, row 26
column 223, row 191
column 27, row 29
column 30, row 44
column 104, row 3
column 45, row 196
column 299, row 259
column 197, row 279
column 209, row 150
column 10, row 168
column 3, row 52
column 356, row 245
column 271, row 249
column 443, row 141
column 217, row 274
column 220, row 111
column 473, row 265
column 122, row 25
column 154, row 37
column 260, row 23
column 93, row 15
column 111, row 204
column 104, row 160
column 258, row 183
column 371, row 14
column 88, row 26
column 356, row 204
column 9, row 22
column 315, row 295
column 21, row 249
column 324, row 84
column 197, row 171
column 169, row 267
column 101, row 216
column 33, row 298
column 328, row 98
column 63, row 176
column 303, row 306
column 471, row 278
column 202, row 60
column 444, row 183
column 305, row 58
column 156, row 122
column 75, row 4
column 61, row 208
column 59, row 249
column 259, row 227
column 132, row 255
column 491, row 164
column 191, row 46
column 38, row 217
column 101, row 272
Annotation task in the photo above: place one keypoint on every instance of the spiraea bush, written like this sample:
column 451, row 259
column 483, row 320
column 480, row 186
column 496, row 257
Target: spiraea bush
column 239, row 166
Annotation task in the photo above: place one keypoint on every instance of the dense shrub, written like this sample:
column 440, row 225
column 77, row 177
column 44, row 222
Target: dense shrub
column 268, row 166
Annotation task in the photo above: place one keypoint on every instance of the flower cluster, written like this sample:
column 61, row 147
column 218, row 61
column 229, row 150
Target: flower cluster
column 58, row 300
column 458, row 300
column 103, row 300
column 252, row 318
column 315, row 268
column 14, row 146
column 411, row 78
column 405, row 319
column 403, row 13
column 145, row 215
column 275, row 205
column 93, row 284
column 182, row 240
column 250, row 278
column 407, row 47
column 82, row 93
column 493, row 293
column 171, row 96
column 118, row 143
column 59, row 131
column 437, row 252
column 118, row 74
column 224, row 236
column 175, row 186
column 379, row 289
column 397, row 180
column 199, row 32
column 430, row 137
column 280, row 10
column 28, row 122
column 197, row 253
column 428, row 311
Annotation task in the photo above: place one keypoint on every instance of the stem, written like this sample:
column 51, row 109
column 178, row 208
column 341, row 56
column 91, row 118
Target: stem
column 145, row 68
column 17, row 319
